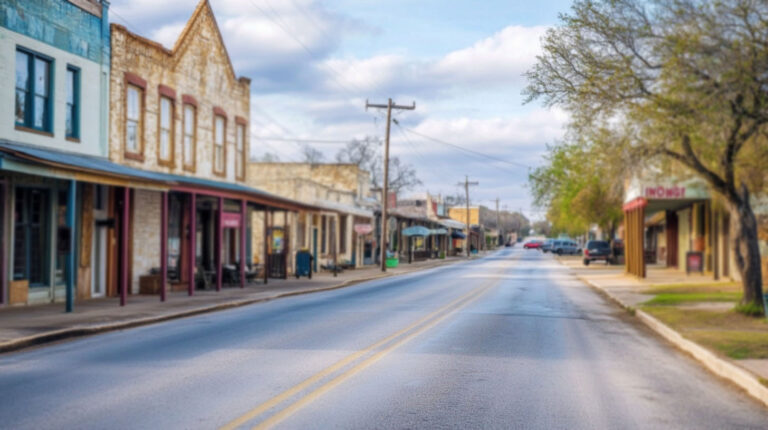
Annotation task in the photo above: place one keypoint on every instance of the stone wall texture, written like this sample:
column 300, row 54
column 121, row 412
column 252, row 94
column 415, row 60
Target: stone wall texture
column 145, row 210
column 199, row 67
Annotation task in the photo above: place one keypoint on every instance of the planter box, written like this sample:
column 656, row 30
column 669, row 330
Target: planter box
column 392, row 262
column 149, row 284
column 18, row 292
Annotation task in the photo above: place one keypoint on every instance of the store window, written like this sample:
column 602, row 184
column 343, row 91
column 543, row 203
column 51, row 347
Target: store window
column 31, row 238
column 33, row 89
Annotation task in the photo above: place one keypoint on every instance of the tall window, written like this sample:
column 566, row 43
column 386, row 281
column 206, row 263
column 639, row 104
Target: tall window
column 240, row 152
column 33, row 87
column 165, row 145
column 134, row 127
column 189, row 137
column 218, row 145
column 73, row 102
column 31, row 235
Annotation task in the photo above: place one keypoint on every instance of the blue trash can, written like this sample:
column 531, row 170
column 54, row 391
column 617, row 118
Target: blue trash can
column 304, row 264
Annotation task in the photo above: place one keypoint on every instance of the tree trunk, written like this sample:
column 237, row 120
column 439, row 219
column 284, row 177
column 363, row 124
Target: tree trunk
column 747, row 251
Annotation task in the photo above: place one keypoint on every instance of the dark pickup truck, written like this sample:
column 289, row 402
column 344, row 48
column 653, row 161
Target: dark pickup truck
column 597, row 250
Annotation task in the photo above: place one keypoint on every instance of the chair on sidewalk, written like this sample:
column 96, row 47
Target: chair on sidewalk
column 203, row 279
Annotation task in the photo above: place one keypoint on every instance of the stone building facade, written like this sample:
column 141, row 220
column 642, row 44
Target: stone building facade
column 341, row 232
column 183, row 112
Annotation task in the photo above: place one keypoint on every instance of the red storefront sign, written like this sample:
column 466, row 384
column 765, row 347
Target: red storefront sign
column 230, row 220
column 663, row 192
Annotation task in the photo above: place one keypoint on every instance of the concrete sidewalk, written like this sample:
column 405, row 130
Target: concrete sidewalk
column 25, row 326
column 627, row 291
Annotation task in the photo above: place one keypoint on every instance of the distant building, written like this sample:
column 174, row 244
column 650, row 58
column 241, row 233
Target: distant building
column 341, row 230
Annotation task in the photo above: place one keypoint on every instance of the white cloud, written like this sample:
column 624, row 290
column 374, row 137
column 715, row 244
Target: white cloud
column 498, row 60
column 501, row 58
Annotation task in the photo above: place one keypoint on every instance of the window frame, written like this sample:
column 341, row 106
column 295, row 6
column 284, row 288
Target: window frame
column 132, row 80
column 29, row 98
column 219, row 113
column 167, row 93
column 76, row 89
column 190, row 167
column 241, row 131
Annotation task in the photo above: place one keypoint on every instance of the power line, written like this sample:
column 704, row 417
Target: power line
column 471, row 151
column 278, row 21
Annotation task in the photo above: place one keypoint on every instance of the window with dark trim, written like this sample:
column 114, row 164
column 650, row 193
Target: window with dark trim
column 34, row 85
column 342, row 234
column 134, row 119
column 73, row 103
column 31, row 236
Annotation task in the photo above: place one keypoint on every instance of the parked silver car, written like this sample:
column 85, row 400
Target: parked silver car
column 568, row 247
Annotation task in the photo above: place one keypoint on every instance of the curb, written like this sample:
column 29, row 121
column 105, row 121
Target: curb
column 81, row 331
column 719, row 366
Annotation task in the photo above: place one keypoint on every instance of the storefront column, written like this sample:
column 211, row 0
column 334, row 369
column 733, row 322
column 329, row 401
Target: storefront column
column 71, row 201
column 163, row 245
column 124, row 233
column 219, row 239
column 243, row 223
column 192, row 237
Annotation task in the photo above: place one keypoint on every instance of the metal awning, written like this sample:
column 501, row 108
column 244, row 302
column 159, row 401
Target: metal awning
column 89, row 168
column 416, row 230
column 438, row 231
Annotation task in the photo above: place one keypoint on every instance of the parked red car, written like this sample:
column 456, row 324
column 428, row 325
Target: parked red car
column 533, row 244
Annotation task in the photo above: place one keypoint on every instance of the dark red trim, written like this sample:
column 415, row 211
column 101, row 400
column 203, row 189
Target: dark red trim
column 240, row 120
column 219, row 239
column 192, row 247
column 163, row 244
column 166, row 91
column 135, row 79
column 187, row 99
column 219, row 111
column 243, row 211
column 637, row 203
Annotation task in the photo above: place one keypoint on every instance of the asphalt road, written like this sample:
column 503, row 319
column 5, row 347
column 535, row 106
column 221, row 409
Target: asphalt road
column 509, row 341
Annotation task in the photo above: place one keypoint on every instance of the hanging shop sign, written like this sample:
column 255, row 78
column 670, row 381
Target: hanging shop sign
column 363, row 228
column 230, row 220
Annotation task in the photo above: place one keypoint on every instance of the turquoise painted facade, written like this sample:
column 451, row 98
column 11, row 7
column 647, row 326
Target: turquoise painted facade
column 60, row 24
column 41, row 210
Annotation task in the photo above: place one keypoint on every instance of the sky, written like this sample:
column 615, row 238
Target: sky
column 313, row 64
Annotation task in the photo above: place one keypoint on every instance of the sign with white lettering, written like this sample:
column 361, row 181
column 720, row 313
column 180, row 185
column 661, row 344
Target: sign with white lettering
column 664, row 192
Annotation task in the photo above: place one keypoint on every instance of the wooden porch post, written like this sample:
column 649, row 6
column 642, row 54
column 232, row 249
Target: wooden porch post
column 163, row 245
column 192, row 247
column 219, row 239
column 243, row 211
column 124, row 246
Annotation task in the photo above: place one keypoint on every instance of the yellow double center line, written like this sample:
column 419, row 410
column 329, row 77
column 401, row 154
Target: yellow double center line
column 405, row 335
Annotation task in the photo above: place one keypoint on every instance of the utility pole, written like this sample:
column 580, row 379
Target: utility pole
column 385, row 197
column 466, row 185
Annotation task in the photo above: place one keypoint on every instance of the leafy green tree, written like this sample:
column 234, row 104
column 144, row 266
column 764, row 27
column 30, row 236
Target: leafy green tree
column 579, row 187
column 687, row 79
